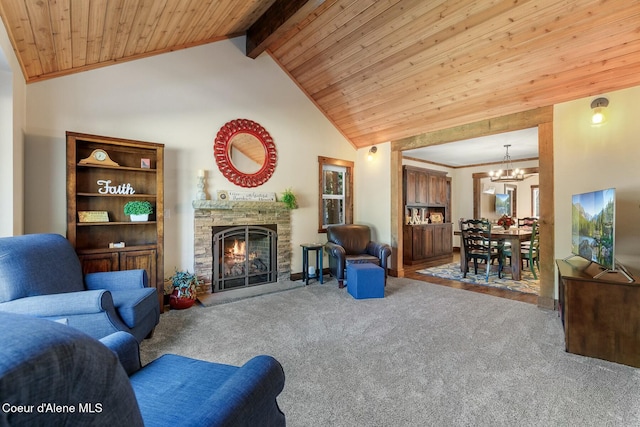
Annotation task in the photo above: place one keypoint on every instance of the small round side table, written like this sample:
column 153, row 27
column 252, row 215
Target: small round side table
column 306, row 247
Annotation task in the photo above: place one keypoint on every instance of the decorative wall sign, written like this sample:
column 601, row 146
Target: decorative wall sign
column 251, row 196
column 245, row 153
column 145, row 163
column 93, row 216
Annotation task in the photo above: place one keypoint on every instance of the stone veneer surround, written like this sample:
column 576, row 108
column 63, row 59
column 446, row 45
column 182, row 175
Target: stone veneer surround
column 210, row 213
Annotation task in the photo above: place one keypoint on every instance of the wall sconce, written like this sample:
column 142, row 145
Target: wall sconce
column 373, row 150
column 598, row 106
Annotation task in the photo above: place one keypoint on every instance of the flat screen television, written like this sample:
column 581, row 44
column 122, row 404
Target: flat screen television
column 593, row 217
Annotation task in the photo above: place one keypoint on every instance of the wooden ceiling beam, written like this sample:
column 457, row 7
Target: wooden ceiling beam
column 511, row 122
column 281, row 17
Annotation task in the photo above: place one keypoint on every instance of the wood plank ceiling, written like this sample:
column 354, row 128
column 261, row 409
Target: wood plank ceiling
column 379, row 70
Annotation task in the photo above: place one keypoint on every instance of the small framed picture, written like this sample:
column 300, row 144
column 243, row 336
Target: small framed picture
column 145, row 163
column 436, row 218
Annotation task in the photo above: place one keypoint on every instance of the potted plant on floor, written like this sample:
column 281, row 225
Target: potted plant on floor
column 138, row 210
column 184, row 289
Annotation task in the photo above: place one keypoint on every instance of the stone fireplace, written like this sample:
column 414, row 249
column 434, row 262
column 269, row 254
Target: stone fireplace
column 227, row 224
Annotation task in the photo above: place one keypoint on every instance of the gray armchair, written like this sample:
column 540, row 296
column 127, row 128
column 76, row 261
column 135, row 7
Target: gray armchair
column 41, row 275
column 352, row 243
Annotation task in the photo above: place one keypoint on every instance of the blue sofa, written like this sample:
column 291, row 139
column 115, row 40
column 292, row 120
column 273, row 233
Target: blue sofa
column 51, row 374
column 41, row 275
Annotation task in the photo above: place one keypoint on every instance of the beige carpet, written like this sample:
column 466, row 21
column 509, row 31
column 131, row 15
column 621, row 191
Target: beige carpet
column 424, row 355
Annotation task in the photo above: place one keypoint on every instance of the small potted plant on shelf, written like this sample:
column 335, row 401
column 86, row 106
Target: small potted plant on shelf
column 184, row 289
column 289, row 199
column 138, row 210
column 506, row 221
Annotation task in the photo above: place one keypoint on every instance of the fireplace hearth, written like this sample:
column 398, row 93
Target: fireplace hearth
column 244, row 256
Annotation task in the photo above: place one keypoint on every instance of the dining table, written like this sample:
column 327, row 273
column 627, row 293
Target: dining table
column 512, row 235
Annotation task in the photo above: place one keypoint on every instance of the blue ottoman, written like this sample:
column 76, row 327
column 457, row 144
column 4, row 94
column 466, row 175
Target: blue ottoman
column 365, row 281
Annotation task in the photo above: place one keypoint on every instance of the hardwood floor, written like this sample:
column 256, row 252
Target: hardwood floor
column 410, row 272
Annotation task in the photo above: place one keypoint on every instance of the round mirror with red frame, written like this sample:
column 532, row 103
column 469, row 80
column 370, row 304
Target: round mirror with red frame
column 245, row 153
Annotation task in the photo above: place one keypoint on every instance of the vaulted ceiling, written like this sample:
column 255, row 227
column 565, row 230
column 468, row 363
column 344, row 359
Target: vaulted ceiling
column 379, row 70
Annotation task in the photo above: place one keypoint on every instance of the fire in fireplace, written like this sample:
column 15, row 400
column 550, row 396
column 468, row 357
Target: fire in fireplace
column 244, row 256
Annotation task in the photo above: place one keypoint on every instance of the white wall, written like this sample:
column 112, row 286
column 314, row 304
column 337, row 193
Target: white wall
column 462, row 197
column 12, row 123
column 373, row 192
column 181, row 99
column 6, row 147
column 523, row 197
column 590, row 158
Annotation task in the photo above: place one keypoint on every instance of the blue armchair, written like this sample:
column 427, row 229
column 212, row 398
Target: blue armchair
column 41, row 275
column 45, row 365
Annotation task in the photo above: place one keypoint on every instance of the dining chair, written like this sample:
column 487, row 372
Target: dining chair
column 529, row 252
column 527, row 223
column 477, row 244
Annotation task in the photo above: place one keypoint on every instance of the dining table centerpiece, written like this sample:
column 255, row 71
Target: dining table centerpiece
column 506, row 221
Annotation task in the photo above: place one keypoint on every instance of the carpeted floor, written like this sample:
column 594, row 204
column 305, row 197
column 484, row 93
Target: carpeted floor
column 425, row 355
column 452, row 271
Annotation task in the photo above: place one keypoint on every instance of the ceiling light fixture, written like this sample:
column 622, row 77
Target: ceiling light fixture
column 598, row 106
column 508, row 173
column 373, row 150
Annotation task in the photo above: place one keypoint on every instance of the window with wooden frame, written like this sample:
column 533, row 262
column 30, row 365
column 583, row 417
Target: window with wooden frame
column 535, row 201
column 512, row 191
column 335, row 202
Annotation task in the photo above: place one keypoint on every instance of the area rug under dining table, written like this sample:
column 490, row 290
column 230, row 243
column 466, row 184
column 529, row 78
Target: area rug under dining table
column 451, row 271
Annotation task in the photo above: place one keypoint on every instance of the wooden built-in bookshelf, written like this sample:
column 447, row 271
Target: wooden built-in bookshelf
column 89, row 181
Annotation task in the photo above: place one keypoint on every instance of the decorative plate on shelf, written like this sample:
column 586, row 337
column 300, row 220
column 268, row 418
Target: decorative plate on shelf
column 436, row 218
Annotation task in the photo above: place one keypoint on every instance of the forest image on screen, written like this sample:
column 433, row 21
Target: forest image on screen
column 592, row 224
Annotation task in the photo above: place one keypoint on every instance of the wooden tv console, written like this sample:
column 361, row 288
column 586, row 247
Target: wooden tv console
column 601, row 317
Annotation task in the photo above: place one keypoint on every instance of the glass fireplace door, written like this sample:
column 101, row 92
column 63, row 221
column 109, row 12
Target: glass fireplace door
column 244, row 256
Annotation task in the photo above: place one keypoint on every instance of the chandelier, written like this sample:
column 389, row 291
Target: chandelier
column 508, row 173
